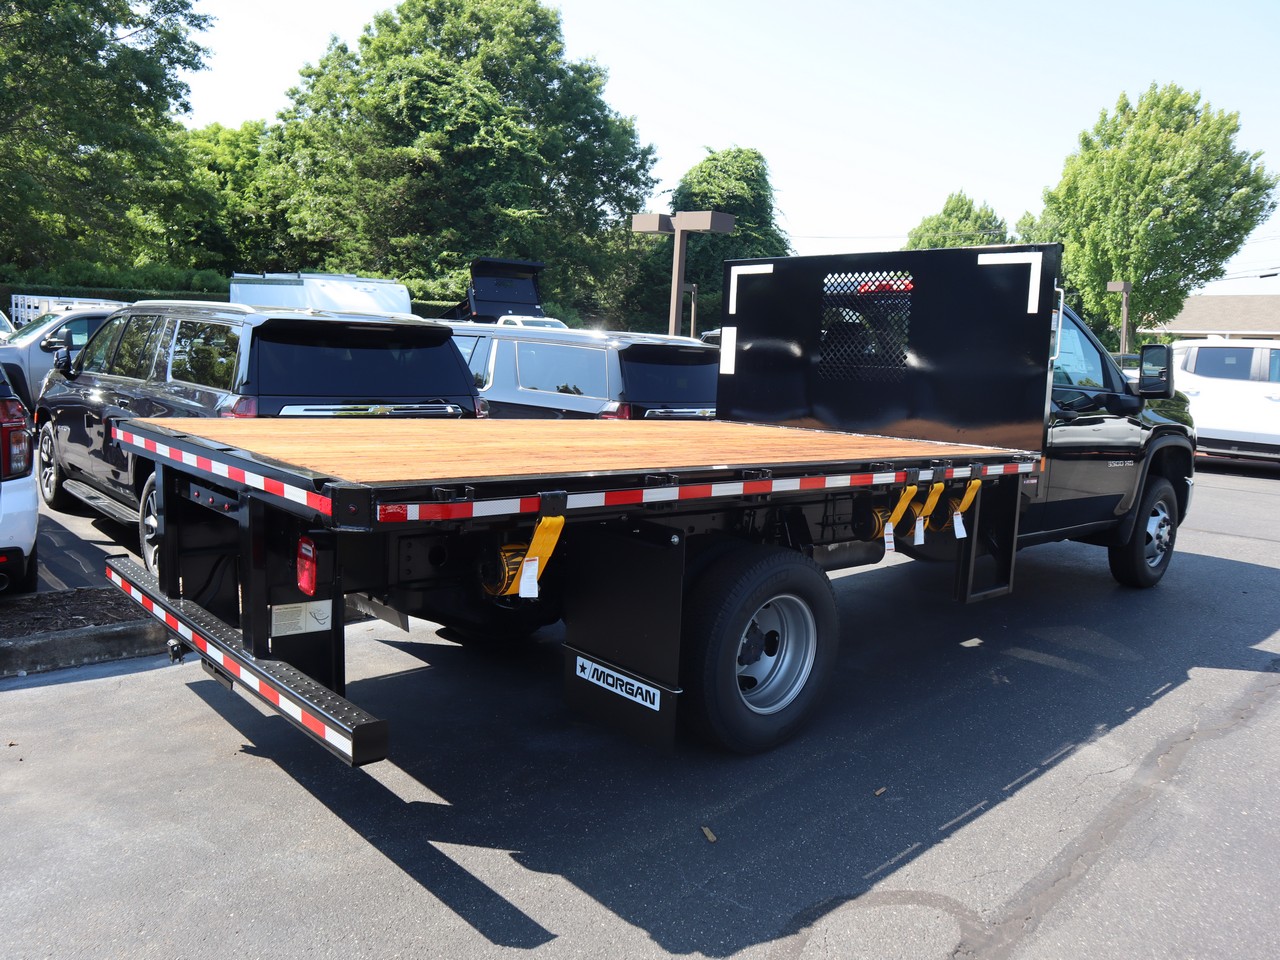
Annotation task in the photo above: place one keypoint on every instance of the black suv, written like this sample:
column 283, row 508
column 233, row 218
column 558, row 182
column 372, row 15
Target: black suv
column 181, row 359
column 535, row 372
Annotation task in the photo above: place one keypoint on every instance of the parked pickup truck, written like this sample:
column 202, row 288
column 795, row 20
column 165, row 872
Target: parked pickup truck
column 940, row 403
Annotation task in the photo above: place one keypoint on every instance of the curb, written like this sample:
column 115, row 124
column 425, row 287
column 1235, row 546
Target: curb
column 43, row 652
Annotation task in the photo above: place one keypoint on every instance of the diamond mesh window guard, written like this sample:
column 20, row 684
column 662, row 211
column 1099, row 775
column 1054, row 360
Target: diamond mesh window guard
column 866, row 319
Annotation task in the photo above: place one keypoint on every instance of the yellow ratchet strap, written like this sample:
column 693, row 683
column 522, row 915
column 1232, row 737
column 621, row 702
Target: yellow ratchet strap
column 908, row 494
column 970, row 491
column 545, row 537
column 931, row 501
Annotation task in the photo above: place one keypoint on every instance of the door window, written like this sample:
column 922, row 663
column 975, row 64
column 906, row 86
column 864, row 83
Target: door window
column 135, row 355
column 98, row 352
column 1273, row 368
column 558, row 368
column 1225, row 363
column 205, row 354
column 475, row 351
column 1079, row 362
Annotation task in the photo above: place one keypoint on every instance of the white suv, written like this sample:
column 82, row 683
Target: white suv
column 19, row 508
column 1234, row 389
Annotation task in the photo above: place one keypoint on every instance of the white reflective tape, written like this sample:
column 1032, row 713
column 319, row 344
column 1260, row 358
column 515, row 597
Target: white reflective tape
column 728, row 350
column 884, row 478
column 1033, row 259
column 577, row 500
column 745, row 269
column 661, row 494
column 779, row 486
column 495, row 508
column 726, row 489
column 337, row 739
column 291, row 708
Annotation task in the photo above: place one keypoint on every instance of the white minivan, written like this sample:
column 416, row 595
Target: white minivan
column 1234, row 389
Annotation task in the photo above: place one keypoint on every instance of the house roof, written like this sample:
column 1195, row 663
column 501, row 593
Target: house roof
column 1227, row 316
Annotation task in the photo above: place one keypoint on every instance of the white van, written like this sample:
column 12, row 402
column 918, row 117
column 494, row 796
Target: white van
column 1234, row 389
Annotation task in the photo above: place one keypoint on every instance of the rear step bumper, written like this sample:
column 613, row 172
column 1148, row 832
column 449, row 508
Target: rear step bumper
column 334, row 722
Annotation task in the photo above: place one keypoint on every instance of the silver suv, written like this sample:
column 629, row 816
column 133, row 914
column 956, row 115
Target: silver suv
column 537, row 372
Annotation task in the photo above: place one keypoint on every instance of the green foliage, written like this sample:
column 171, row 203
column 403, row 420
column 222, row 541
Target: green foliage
column 960, row 224
column 733, row 181
column 1158, row 194
column 456, row 129
column 86, row 90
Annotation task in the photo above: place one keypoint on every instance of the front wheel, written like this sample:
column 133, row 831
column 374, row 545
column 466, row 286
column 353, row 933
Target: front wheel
column 1142, row 559
column 51, row 490
column 760, row 638
column 149, row 527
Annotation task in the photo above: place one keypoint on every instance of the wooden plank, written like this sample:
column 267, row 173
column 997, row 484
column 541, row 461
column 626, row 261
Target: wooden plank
column 448, row 451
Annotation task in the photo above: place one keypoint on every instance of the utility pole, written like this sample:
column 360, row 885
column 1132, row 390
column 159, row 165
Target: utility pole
column 1122, row 287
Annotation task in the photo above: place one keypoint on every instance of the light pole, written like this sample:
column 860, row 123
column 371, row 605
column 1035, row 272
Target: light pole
column 1122, row 287
column 682, row 223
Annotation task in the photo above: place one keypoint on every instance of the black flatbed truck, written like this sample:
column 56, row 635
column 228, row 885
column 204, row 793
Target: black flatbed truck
column 911, row 401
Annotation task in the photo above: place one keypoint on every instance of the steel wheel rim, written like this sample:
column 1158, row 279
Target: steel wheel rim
column 776, row 653
column 1159, row 534
column 48, row 469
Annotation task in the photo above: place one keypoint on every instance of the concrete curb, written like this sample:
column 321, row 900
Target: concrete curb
column 42, row 652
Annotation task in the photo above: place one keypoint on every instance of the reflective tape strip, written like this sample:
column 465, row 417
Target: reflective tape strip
column 640, row 496
column 256, row 681
column 225, row 471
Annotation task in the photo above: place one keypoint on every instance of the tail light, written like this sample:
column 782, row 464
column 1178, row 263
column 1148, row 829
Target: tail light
column 240, row 407
column 307, row 566
column 616, row 411
column 15, row 440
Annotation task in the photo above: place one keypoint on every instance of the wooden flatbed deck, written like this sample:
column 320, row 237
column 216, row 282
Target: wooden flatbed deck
column 436, row 451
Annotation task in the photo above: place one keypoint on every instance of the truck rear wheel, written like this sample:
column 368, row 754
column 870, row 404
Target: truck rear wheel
column 1142, row 559
column 760, row 643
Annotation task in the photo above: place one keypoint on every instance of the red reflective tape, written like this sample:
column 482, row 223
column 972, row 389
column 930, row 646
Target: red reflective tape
column 695, row 491
column 446, row 511
column 757, row 486
column 231, row 666
column 530, row 504
column 170, row 620
column 319, row 503
column 313, row 724
column 269, row 694
column 614, row 498
column 204, row 463
column 236, row 474
column 813, row 483
column 862, row 480
column 273, row 486
column 393, row 512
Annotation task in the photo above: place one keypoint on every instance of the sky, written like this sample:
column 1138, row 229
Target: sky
column 869, row 113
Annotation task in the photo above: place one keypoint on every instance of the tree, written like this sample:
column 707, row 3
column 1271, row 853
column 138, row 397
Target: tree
column 87, row 88
column 733, row 181
column 1158, row 194
column 960, row 224
column 456, row 129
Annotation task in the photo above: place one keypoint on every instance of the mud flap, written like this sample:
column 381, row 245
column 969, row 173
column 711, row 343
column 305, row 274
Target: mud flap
column 623, row 604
